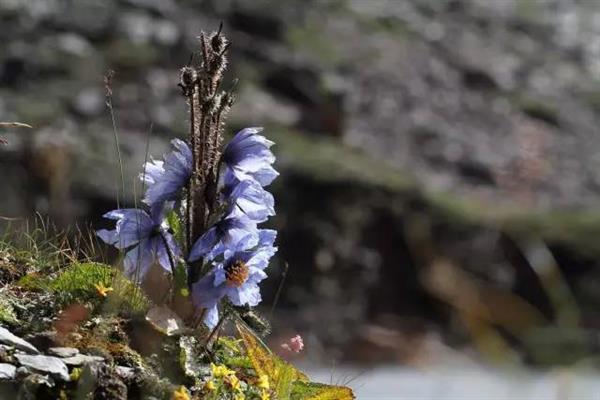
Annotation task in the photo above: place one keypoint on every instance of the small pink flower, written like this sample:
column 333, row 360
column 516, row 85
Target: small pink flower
column 295, row 344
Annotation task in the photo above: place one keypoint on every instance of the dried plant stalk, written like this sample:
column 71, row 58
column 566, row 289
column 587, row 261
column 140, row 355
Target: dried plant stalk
column 208, row 107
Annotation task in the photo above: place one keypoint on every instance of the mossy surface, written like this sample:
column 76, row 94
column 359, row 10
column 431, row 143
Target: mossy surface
column 328, row 161
column 92, row 307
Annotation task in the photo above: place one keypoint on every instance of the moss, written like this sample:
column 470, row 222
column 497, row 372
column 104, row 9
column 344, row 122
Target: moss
column 328, row 161
column 33, row 281
column 126, row 298
column 78, row 281
column 7, row 312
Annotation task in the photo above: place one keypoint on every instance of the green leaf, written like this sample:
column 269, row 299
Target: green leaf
column 319, row 391
column 288, row 382
column 176, row 226
column 180, row 279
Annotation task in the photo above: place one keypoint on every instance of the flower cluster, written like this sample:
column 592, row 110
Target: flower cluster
column 234, row 250
column 224, row 383
column 238, row 250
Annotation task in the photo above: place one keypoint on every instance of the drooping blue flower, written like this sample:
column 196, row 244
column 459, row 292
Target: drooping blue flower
column 248, row 155
column 165, row 180
column 145, row 235
column 225, row 234
column 236, row 277
column 247, row 198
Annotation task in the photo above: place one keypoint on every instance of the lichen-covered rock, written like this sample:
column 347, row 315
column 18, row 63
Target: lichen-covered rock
column 8, row 338
column 63, row 352
column 34, row 386
column 7, row 371
column 45, row 364
column 103, row 381
column 81, row 359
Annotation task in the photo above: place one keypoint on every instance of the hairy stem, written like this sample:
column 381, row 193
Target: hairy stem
column 208, row 107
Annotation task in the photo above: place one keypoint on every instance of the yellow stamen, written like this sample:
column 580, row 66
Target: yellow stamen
column 237, row 273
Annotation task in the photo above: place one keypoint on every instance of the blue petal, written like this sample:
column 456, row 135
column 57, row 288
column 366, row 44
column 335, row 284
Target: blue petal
column 109, row 237
column 165, row 183
column 250, row 199
column 238, row 230
column 153, row 170
column 265, row 175
column 247, row 294
column 211, row 317
column 204, row 244
column 246, row 143
column 204, row 293
column 266, row 237
column 165, row 254
column 224, row 236
column 256, row 275
column 248, row 156
column 138, row 260
column 220, row 275
column 132, row 226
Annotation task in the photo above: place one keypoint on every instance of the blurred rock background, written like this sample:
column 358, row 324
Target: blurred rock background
column 440, row 160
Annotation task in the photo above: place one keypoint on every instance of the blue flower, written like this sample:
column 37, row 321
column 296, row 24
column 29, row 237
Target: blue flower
column 236, row 277
column 248, row 155
column 147, row 237
column 224, row 235
column 247, row 198
column 164, row 180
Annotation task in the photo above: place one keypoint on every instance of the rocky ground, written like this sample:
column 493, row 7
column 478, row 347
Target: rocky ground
column 407, row 133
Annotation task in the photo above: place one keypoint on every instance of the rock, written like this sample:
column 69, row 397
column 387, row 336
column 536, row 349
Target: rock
column 5, row 355
column 103, row 381
column 30, row 386
column 81, row 359
column 63, row 352
column 42, row 340
column 7, row 371
column 47, row 364
column 125, row 373
column 8, row 338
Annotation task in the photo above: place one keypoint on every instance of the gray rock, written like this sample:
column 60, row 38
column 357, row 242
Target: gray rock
column 7, row 371
column 125, row 373
column 101, row 379
column 30, row 386
column 63, row 352
column 80, row 359
column 8, row 338
column 46, row 364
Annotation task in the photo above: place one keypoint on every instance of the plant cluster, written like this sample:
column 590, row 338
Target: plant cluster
column 203, row 202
